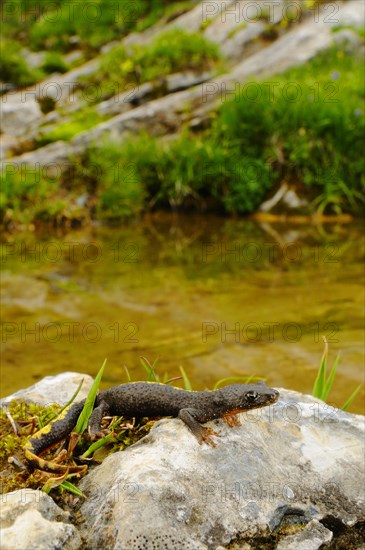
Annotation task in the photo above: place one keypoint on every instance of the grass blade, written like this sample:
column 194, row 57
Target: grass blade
column 351, row 398
column 129, row 378
column 169, row 380
column 85, row 414
column 71, row 488
column 101, row 442
column 320, row 381
column 187, row 383
column 330, row 379
column 150, row 369
column 96, row 445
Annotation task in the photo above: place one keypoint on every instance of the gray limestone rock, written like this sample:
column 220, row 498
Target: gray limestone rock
column 30, row 520
column 53, row 389
column 295, row 466
column 297, row 461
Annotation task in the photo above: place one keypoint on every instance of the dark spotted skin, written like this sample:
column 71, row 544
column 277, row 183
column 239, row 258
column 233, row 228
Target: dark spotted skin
column 149, row 399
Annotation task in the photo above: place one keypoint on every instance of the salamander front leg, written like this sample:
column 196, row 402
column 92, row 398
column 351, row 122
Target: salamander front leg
column 96, row 417
column 201, row 432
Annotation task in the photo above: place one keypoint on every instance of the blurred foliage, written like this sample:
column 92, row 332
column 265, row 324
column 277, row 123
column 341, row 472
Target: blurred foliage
column 62, row 26
column 304, row 127
column 171, row 51
column 13, row 67
column 79, row 121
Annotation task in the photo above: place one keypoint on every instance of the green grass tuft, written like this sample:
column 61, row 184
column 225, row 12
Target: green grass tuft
column 170, row 52
column 323, row 382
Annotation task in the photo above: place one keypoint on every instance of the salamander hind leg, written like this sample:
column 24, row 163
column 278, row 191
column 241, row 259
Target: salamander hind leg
column 96, row 417
column 202, row 433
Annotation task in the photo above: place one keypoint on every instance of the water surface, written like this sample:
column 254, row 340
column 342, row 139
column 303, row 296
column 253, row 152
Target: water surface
column 219, row 297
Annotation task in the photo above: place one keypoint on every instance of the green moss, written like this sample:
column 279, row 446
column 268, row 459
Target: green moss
column 29, row 418
column 79, row 122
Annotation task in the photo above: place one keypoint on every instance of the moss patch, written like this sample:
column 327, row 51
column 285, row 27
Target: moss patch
column 29, row 418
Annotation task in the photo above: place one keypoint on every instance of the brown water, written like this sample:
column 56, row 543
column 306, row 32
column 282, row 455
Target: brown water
column 219, row 297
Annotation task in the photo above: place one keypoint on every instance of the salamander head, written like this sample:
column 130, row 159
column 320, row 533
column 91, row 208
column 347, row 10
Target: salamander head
column 243, row 397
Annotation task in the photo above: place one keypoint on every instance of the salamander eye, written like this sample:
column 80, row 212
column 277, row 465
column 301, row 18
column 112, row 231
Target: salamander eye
column 252, row 395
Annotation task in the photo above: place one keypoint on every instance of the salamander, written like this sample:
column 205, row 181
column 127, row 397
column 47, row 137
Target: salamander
column 151, row 399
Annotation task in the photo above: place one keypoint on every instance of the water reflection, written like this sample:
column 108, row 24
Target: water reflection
column 219, row 297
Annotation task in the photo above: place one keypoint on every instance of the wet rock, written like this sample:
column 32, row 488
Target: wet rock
column 53, row 389
column 30, row 520
column 289, row 464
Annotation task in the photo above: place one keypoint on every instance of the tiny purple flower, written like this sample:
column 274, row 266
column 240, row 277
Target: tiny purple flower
column 358, row 112
column 335, row 75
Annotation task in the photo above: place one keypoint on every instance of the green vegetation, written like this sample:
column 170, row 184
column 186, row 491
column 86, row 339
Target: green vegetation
column 79, row 121
column 13, row 68
column 27, row 419
column 85, row 414
column 171, row 51
column 324, row 383
column 55, row 25
column 54, row 63
column 66, row 25
column 360, row 31
column 17, row 422
column 305, row 127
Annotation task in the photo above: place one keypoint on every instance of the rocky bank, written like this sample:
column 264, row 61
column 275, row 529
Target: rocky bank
column 290, row 477
column 242, row 39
